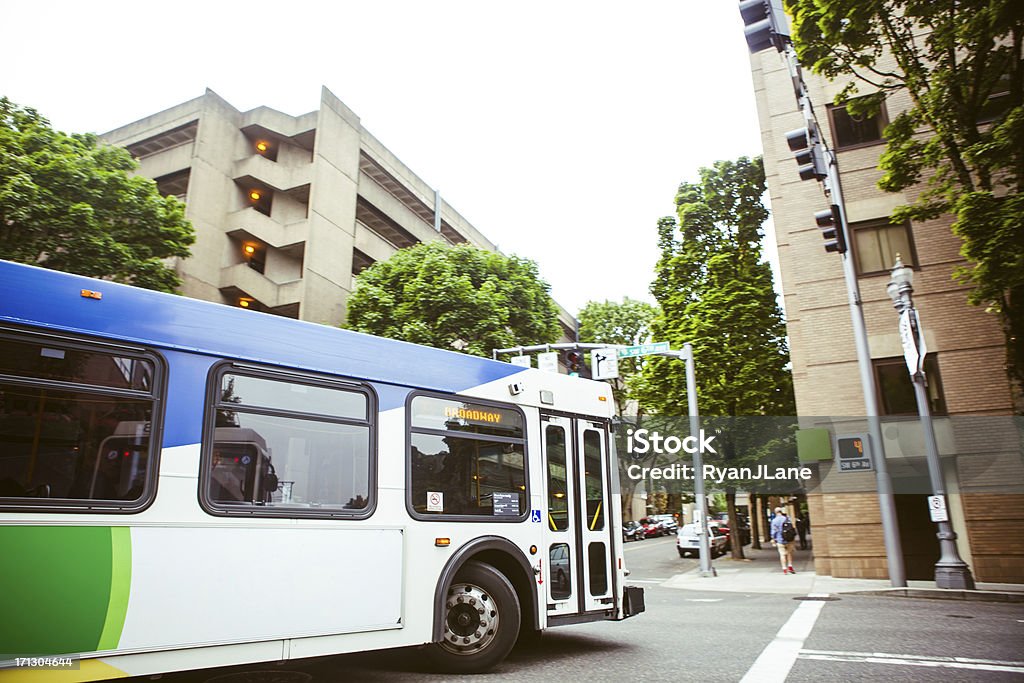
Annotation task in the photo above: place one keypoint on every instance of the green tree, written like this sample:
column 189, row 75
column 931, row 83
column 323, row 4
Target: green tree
column 961, row 142
column 625, row 323
column 69, row 203
column 716, row 292
column 454, row 297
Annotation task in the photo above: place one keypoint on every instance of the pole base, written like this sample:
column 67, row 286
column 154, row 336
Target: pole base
column 956, row 577
column 708, row 573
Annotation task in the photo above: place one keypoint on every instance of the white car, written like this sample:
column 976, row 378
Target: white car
column 688, row 542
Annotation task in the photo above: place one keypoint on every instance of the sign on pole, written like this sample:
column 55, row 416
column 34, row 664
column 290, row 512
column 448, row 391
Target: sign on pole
column 604, row 364
column 521, row 361
column 643, row 349
column 548, row 362
column 914, row 348
column 852, row 453
column 937, row 508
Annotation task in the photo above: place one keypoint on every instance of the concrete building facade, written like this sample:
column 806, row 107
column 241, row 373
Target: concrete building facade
column 969, row 390
column 288, row 209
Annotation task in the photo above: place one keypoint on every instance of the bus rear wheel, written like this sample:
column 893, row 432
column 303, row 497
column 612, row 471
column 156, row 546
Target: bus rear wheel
column 482, row 618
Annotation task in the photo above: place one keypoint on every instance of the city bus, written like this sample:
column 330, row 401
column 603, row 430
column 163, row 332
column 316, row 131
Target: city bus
column 186, row 485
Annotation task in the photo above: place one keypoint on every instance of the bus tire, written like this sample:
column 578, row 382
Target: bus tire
column 482, row 619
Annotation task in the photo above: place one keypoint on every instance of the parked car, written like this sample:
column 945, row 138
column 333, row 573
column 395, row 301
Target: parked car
column 688, row 542
column 722, row 521
column 632, row 531
column 652, row 528
column 668, row 522
column 723, row 529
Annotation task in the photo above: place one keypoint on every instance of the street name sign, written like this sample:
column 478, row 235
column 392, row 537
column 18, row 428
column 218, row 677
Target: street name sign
column 521, row 361
column 643, row 349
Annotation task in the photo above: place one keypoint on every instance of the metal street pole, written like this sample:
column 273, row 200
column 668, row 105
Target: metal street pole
column 950, row 571
column 886, row 501
column 699, row 497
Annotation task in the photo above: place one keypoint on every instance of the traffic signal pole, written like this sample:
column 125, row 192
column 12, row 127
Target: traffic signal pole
column 886, row 499
column 766, row 25
column 699, row 496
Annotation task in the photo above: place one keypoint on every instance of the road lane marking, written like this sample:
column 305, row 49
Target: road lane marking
column 646, row 580
column 775, row 661
column 914, row 660
column 703, row 599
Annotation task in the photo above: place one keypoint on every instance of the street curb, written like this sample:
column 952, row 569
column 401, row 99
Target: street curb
column 943, row 594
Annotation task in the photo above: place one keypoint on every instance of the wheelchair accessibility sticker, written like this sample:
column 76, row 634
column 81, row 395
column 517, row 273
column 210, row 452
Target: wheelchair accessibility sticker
column 535, row 517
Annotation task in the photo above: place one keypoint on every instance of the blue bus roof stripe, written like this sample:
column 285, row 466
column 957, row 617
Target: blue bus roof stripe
column 51, row 299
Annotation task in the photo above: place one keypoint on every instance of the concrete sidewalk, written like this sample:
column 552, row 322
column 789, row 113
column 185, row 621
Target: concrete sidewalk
column 761, row 573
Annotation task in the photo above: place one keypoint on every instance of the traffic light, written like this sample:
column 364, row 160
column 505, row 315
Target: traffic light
column 574, row 361
column 831, row 223
column 765, row 24
column 810, row 154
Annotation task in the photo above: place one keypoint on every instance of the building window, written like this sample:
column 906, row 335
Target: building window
column 998, row 102
column 896, row 389
column 467, row 459
column 174, row 184
column 287, row 446
column 876, row 244
column 851, row 130
column 76, row 425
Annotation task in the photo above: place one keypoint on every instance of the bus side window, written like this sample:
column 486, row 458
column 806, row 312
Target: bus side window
column 285, row 445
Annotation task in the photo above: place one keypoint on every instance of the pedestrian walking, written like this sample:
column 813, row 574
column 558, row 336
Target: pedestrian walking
column 801, row 531
column 783, row 535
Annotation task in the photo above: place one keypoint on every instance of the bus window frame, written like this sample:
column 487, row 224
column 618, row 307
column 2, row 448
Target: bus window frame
column 157, row 395
column 211, row 403
column 458, row 398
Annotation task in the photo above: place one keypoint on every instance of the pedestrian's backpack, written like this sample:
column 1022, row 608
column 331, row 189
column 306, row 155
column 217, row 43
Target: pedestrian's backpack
column 788, row 532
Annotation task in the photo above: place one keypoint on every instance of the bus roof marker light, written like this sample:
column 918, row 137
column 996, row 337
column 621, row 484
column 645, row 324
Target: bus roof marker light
column 91, row 294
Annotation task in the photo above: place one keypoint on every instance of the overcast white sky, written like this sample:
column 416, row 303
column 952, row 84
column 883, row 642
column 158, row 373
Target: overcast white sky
column 560, row 129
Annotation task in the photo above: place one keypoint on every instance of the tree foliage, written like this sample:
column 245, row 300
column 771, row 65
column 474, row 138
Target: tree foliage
column 961, row 64
column 69, row 203
column 716, row 293
column 454, row 297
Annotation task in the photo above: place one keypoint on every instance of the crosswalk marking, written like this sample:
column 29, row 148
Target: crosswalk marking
column 775, row 661
column 914, row 660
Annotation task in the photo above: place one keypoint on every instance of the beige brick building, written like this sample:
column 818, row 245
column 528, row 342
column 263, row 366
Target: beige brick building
column 979, row 443
column 287, row 209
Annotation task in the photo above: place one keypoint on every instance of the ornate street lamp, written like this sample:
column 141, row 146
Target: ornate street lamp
column 950, row 570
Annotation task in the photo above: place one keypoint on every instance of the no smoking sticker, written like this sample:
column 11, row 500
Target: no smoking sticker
column 435, row 501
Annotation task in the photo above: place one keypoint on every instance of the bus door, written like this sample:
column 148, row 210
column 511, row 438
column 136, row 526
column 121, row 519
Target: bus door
column 578, row 532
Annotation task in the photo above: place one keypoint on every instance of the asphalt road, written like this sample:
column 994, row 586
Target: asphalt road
column 716, row 636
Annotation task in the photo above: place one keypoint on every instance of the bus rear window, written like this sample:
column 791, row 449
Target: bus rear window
column 75, row 426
